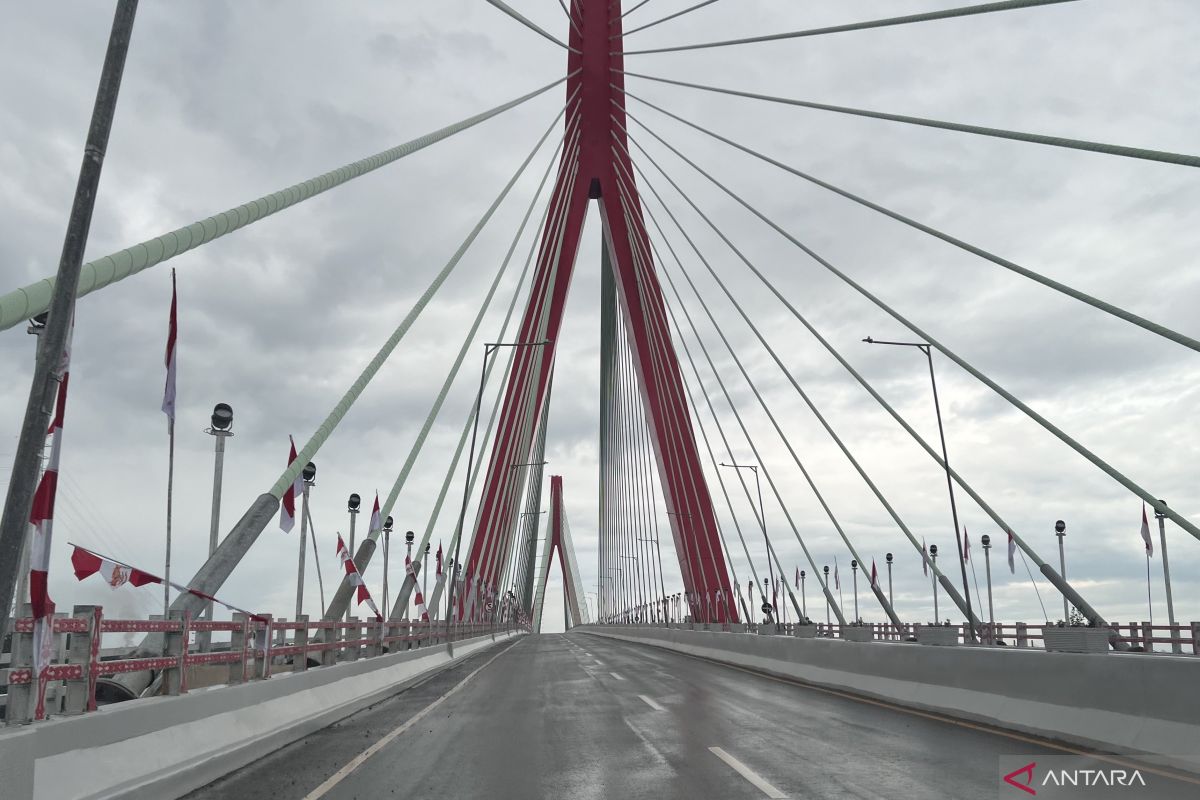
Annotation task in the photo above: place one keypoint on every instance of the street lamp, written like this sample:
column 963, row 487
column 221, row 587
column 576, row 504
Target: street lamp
column 220, row 430
column 309, row 478
column 987, row 566
column 888, row 558
column 1060, row 530
column 488, row 347
column 352, row 505
column 933, row 561
column 762, row 517
column 828, row 604
column 927, row 349
column 388, row 524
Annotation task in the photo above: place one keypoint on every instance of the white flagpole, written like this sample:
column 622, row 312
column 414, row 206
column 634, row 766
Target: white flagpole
column 1176, row 646
column 170, row 495
column 1149, row 596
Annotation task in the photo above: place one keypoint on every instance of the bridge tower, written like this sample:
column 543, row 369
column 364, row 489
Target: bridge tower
column 595, row 165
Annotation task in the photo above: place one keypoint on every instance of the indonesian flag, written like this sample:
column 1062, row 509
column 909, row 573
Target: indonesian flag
column 439, row 560
column 966, row 546
column 168, row 403
column 837, row 582
column 354, row 578
column 1146, row 532
column 287, row 506
column 87, row 563
column 797, row 584
column 412, row 573
column 376, row 524
column 41, row 520
column 925, row 555
column 874, row 575
column 1012, row 552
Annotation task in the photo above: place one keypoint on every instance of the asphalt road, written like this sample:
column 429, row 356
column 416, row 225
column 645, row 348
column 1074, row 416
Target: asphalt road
column 579, row 716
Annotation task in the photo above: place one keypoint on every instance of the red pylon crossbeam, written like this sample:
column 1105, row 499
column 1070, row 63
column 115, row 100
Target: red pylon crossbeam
column 601, row 171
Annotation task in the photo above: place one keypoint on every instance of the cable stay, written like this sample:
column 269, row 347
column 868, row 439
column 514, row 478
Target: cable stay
column 1146, row 154
column 949, row 13
column 21, row 304
column 507, row 9
column 661, row 20
column 1108, row 308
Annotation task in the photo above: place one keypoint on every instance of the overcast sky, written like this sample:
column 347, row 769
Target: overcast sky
column 224, row 102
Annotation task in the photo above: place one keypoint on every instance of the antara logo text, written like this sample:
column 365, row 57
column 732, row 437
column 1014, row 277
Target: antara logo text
column 1024, row 778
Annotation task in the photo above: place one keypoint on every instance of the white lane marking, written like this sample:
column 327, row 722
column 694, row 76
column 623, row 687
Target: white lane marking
column 651, row 703
column 615, row 675
column 356, row 762
column 747, row 773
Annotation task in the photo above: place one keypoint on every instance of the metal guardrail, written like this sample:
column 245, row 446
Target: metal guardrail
column 258, row 644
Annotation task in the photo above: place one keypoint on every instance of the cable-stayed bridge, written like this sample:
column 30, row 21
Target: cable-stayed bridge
column 712, row 649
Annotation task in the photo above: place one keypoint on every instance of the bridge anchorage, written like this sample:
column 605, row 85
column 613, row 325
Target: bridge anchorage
column 689, row 664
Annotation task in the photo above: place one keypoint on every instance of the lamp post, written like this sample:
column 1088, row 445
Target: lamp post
column 925, row 348
column 387, row 549
column 408, row 543
column 828, row 621
column 1160, row 514
column 425, row 573
column 888, row 558
column 762, row 518
column 309, row 476
column 352, row 505
column 488, row 347
column 933, row 560
column 854, row 578
column 1060, row 530
column 987, row 568
column 221, row 429
column 803, row 597
column 767, row 606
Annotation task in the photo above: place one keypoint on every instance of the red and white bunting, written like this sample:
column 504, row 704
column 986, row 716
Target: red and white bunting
column 1146, row 532
column 439, row 560
column 966, row 545
column 874, row 575
column 925, row 558
column 376, row 524
column 168, row 403
column 412, row 573
column 87, row 563
column 354, row 578
column 1012, row 552
column 287, row 504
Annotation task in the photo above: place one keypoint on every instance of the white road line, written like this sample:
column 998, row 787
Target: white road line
column 651, row 703
column 615, row 675
column 356, row 762
column 747, row 773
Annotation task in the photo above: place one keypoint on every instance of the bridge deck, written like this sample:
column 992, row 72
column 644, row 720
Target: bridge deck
column 577, row 716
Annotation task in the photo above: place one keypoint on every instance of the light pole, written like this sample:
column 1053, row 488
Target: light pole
column 888, row 558
column 309, row 476
column 221, row 429
column 1160, row 514
column 803, row 596
column 762, row 518
column 408, row 543
column 925, row 348
column 352, row 505
column 933, row 560
column 462, row 514
column 1060, row 530
column 425, row 574
column 854, row 578
column 987, row 568
column 828, row 605
column 387, row 550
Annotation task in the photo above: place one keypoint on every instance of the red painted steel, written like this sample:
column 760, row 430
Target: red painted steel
column 605, row 174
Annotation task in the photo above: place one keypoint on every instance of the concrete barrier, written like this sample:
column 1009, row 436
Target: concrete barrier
column 1140, row 705
column 164, row 747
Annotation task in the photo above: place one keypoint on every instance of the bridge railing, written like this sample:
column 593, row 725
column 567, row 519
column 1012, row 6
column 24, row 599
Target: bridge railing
column 1181, row 639
column 258, row 646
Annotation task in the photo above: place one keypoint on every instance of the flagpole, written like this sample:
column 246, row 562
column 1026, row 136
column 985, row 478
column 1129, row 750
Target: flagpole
column 1149, row 595
column 1161, row 516
column 170, row 497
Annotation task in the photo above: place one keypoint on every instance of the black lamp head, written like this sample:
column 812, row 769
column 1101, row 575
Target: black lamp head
column 387, row 524
column 408, row 536
column 987, row 540
column 309, row 473
column 354, row 502
column 933, row 549
column 889, row 558
column 853, row 564
column 803, row 574
column 826, row 568
column 222, row 417
column 1060, row 527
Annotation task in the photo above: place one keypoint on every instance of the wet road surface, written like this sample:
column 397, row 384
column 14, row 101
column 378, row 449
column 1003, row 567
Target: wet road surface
column 580, row 716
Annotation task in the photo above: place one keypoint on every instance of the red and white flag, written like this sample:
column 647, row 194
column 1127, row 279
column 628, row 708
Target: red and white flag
column 412, row 573
column 439, row 560
column 797, row 584
column 168, row 403
column 1146, row 532
column 354, row 578
column 966, row 545
column 87, row 563
column 924, row 557
column 874, row 575
column 1012, row 552
column 376, row 524
column 837, row 582
column 287, row 505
